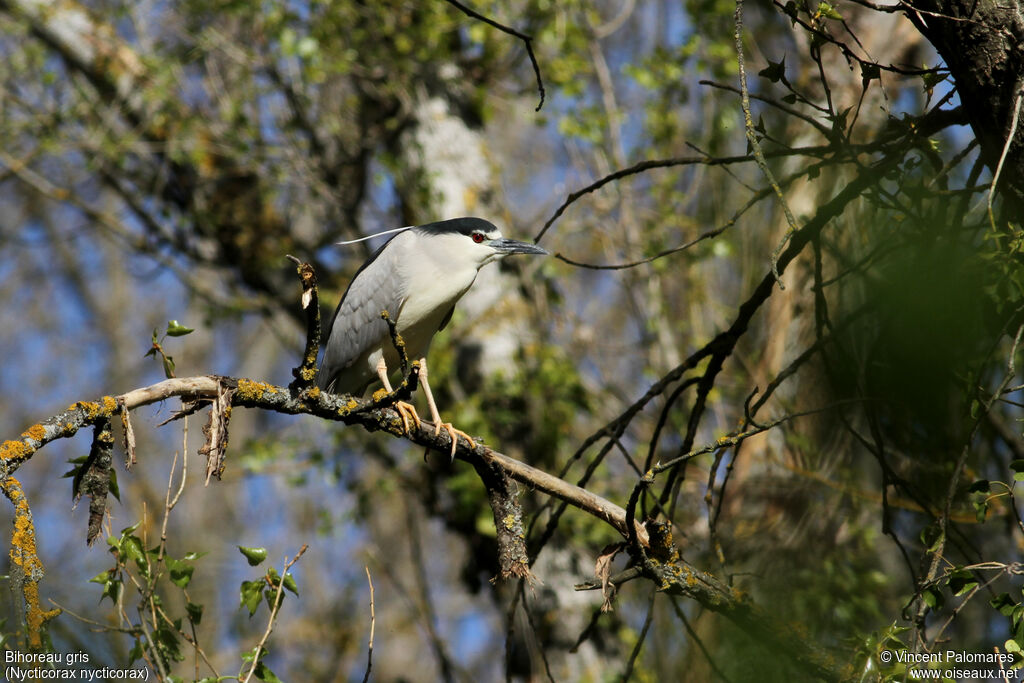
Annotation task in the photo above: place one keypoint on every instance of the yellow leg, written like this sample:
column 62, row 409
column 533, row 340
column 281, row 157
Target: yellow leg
column 405, row 410
column 436, row 417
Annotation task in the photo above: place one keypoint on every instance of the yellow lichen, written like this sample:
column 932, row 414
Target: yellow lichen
column 36, row 432
column 15, row 450
column 509, row 521
column 347, row 409
column 379, row 394
column 28, row 570
column 109, row 404
column 249, row 390
column 90, row 408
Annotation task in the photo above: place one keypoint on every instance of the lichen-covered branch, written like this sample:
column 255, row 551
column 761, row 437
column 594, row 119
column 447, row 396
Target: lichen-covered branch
column 26, row 569
column 305, row 374
column 513, row 560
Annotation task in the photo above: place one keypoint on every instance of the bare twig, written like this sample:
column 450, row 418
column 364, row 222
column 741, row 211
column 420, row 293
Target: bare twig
column 527, row 41
column 373, row 623
column 755, row 145
column 628, row 672
column 1006, row 149
column 426, row 603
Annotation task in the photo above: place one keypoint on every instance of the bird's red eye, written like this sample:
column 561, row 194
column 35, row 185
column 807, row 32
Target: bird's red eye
column 478, row 237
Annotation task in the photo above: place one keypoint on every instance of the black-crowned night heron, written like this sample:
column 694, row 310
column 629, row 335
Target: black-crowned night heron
column 417, row 277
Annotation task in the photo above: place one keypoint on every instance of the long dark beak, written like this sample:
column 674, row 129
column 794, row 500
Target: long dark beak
column 507, row 246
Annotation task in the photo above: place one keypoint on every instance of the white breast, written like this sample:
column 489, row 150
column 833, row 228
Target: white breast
column 425, row 307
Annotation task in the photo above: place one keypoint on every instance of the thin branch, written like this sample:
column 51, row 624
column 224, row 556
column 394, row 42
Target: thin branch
column 426, row 603
column 708, row 234
column 527, row 41
column 697, row 641
column 668, row 163
column 533, row 628
column 628, row 672
column 1006, row 149
column 373, row 623
column 755, row 144
column 821, row 128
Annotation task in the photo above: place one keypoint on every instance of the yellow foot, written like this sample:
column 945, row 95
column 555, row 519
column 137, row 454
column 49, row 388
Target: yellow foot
column 453, row 433
column 407, row 412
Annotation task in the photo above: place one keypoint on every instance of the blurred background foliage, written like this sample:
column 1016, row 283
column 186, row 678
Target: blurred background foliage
column 158, row 160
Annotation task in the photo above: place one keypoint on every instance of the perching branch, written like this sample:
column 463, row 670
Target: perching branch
column 651, row 544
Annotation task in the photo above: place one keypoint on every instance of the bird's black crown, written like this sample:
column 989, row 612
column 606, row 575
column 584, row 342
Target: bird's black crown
column 464, row 226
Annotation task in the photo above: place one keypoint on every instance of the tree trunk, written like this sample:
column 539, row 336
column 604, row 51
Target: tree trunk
column 982, row 43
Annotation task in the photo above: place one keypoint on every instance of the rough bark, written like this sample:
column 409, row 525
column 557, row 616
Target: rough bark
column 982, row 43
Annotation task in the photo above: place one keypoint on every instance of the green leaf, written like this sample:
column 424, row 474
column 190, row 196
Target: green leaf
column 181, row 571
column 176, row 329
column 265, row 674
column 790, row 10
column 933, row 598
column 1003, row 603
column 195, row 612
column 933, row 78
column 168, row 643
column 251, row 591
column 103, row 577
column 253, row 555
column 289, row 583
column 73, row 472
column 136, row 653
column 1018, row 470
column 869, row 72
column 980, row 510
column 775, row 71
column 129, row 547
column 930, row 537
column 169, row 367
column 980, row 486
column 828, row 11
column 961, row 581
column 193, row 556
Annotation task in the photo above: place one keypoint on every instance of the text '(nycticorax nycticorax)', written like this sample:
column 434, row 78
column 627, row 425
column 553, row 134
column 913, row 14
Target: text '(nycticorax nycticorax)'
column 417, row 277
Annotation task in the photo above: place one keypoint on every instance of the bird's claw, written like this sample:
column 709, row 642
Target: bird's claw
column 454, row 433
column 406, row 411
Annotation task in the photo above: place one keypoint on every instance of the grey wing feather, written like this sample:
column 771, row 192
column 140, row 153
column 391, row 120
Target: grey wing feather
column 357, row 328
